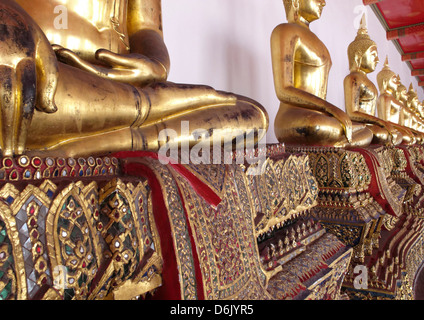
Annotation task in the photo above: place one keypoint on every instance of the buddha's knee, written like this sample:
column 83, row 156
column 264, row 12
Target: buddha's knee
column 380, row 135
column 397, row 137
column 408, row 140
column 302, row 126
column 361, row 137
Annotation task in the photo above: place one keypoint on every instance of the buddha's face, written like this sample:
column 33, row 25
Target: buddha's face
column 414, row 103
column 402, row 93
column 370, row 59
column 393, row 83
column 311, row 10
column 420, row 109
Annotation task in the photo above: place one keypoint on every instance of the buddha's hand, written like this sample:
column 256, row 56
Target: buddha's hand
column 28, row 73
column 392, row 130
column 345, row 121
column 348, row 132
column 135, row 69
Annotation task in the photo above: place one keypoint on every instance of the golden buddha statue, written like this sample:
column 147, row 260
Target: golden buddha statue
column 360, row 93
column 388, row 105
column 89, row 77
column 413, row 104
column 421, row 109
column 408, row 118
column 301, row 64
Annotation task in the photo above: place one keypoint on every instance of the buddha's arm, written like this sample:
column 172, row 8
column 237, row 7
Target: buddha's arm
column 145, row 31
column 402, row 118
column 148, row 60
column 283, row 47
column 383, row 107
column 352, row 100
column 29, row 76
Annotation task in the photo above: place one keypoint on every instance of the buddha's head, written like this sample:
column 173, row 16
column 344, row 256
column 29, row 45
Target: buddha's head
column 307, row 10
column 412, row 100
column 387, row 80
column 362, row 52
column 421, row 109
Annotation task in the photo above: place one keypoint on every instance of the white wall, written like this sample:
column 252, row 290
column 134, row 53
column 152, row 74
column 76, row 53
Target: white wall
column 225, row 44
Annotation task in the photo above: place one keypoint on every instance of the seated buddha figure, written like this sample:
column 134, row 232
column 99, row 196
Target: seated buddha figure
column 421, row 109
column 413, row 104
column 408, row 118
column 90, row 77
column 388, row 105
column 361, row 94
column 301, row 65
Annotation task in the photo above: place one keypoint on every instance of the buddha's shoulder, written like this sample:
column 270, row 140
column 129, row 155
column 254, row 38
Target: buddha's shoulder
column 291, row 30
column 356, row 76
column 290, row 26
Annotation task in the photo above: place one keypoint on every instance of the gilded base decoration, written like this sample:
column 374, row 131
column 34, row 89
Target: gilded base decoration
column 371, row 199
column 230, row 241
column 72, row 229
column 130, row 227
column 293, row 225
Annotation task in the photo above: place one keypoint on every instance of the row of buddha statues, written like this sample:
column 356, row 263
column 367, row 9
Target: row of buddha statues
column 301, row 64
column 101, row 86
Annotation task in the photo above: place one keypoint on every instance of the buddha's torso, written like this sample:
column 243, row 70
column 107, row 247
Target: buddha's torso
column 312, row 64
column 407, row 118
column 90, row 25
column 367, row 96
column 391, row 108
column 414, row 120
column 394, row 111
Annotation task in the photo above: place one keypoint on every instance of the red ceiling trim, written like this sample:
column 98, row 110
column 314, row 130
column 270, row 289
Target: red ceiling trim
column 395, row 34
column 406, row 31
column 417, row 72
column 413, row 56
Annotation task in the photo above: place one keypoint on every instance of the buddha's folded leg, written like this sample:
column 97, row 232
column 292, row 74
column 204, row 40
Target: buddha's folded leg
column 213, row 124
column 91, row 145
column 301, row 126
column 168, row 100
column 407, row 136
column 383, row 137
column 97, row 115
column 361, row 135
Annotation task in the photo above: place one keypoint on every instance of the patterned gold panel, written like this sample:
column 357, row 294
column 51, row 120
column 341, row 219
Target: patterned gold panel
column 76, row 240
column 225, row 236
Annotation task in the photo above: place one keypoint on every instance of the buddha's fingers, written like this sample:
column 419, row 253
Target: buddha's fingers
column 116, row 60
column 17, row 103
column 7, row 109
column 25, row 101
column 47, row 71
column 348, row 133
column 71, row 58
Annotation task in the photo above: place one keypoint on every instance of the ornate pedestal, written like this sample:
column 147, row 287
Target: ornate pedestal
column 127, row 225
column 371, row 199
column 72, row 229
